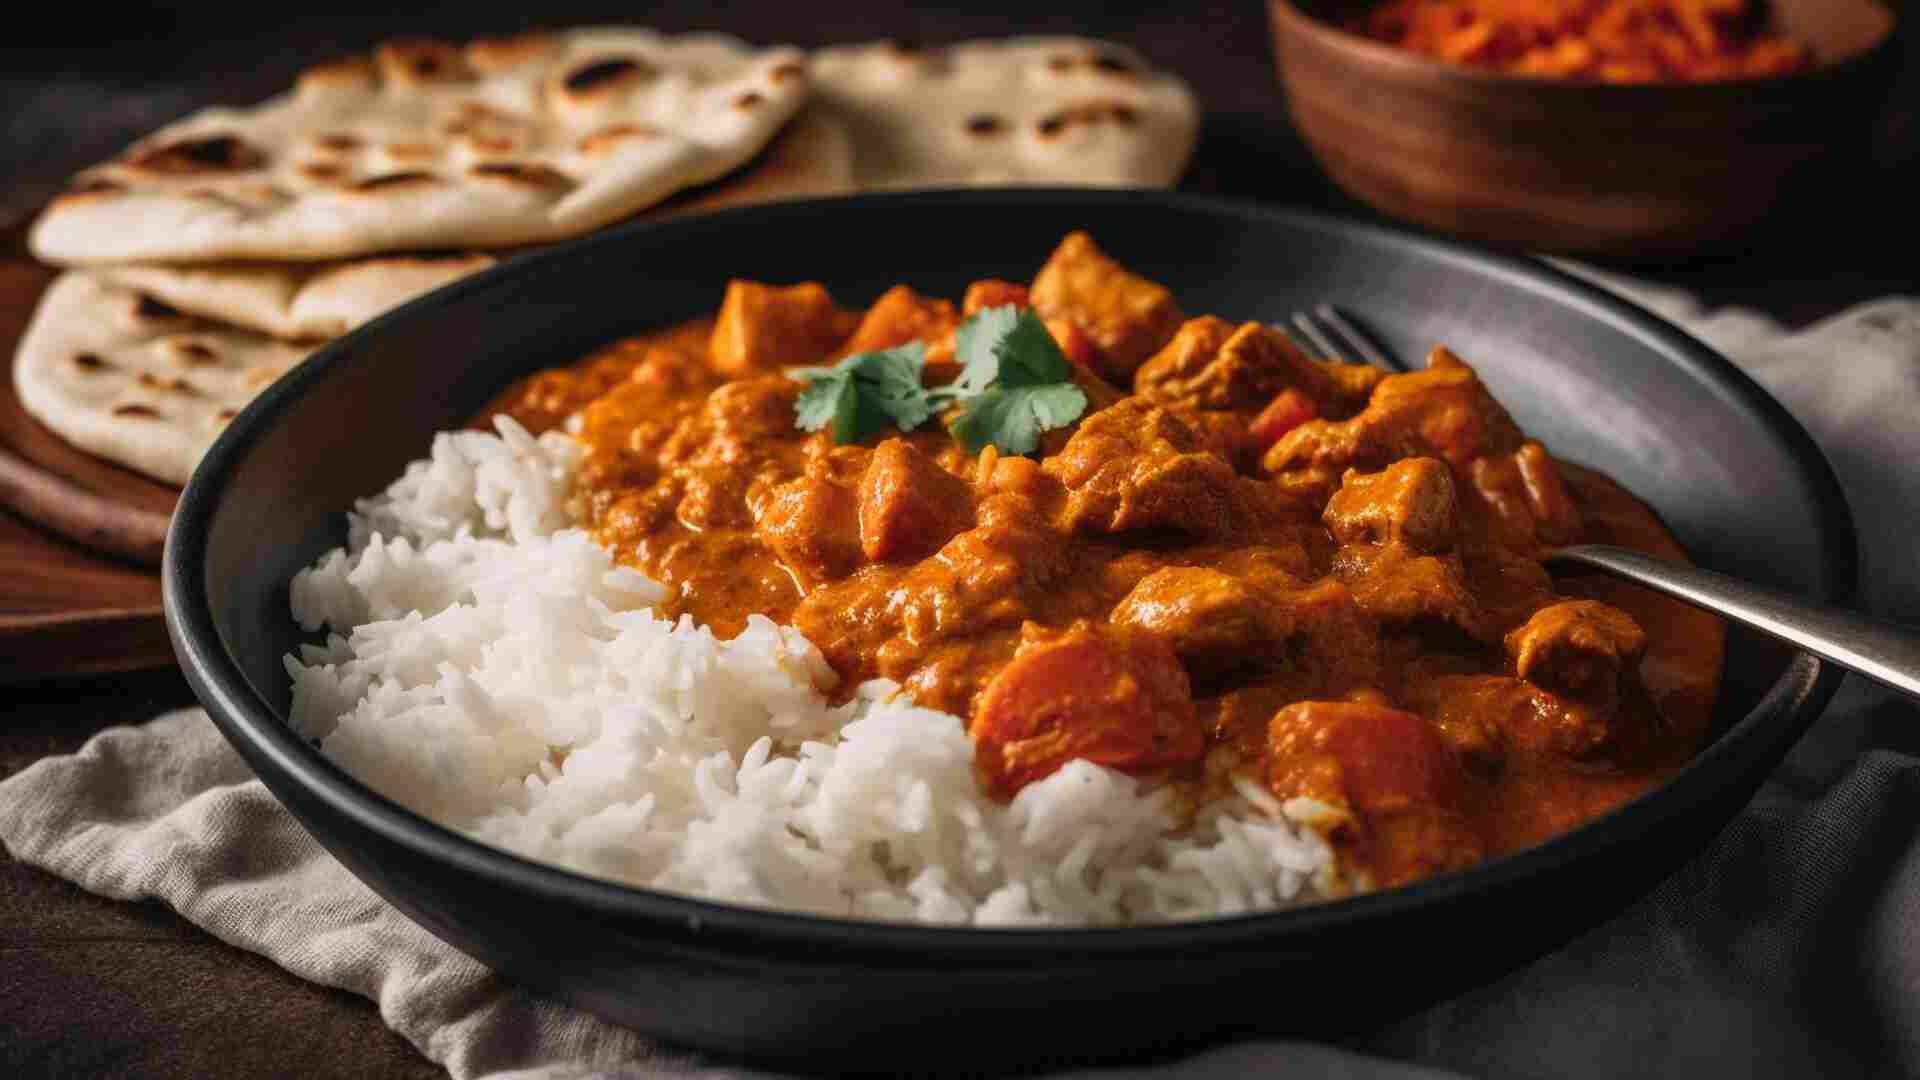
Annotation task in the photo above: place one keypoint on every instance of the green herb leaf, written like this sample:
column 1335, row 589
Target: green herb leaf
column 976, row 346
column 1013, row 419
column 1014, row 382
column 864, row 393
column 1014, row 385
column 1029, row 356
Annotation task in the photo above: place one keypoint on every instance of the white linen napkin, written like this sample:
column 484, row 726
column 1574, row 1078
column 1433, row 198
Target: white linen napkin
column 166, row 810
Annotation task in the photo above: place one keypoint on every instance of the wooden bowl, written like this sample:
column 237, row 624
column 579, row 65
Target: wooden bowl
column 1576, row 166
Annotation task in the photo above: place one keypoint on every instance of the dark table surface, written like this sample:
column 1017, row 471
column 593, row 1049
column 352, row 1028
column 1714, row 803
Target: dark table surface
column 96, row 987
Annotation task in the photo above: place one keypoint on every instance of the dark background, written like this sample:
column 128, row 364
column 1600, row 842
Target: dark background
column 88, row 79
column 95, row 987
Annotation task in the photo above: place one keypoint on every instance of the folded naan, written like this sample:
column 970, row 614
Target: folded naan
column 429, row 145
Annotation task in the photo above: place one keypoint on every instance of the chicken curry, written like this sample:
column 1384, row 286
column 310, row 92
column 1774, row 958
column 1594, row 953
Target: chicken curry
column 1236, row 559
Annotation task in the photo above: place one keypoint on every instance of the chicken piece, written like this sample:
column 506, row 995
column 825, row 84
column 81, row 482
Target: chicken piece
column 1491, row 717
column 1173, row 375
column 763, row 328
column 739, row 421
column 991, row 293
column 1579, row 648
column 1127, row 317
column 1133, row 466
column 1288, row 410
column 1528, row 497
column 1398, row 529
column 1395, row 584
column 813, row 527
column 1577, row 698
column 899, row 316
column 1249, row 620
column 1410, row 502
column 1213, row 621
column 909, row 506
column 1388, row 769
column 1443, row 411
column 899, row 620
column 1111, row 698
column 1213, row 366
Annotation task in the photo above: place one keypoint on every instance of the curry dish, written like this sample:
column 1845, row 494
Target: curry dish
column 1239, row 559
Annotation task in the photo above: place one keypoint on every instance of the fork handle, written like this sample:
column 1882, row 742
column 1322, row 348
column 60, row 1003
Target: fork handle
column 1881, row 651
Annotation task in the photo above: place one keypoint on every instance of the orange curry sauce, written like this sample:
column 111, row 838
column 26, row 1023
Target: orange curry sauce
column 1319, row 575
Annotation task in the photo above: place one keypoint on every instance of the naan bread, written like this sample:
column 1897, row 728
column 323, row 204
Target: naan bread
column 429, row 145
column 134, row 381
column 1010, row 111
column 298, row 301
column 813, row 156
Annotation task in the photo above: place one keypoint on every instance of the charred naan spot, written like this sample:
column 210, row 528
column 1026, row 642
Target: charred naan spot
column 748, row 100
column 1061, row 63
column 168, row 384
column 1112, row 65
column 983, row 124
column 137, row 411
column 524, row 174
column 419, row 60
column 207, row 154
column 336, row 142
column 87, row 361
column 603, row 74
column 227, row 414
column 411, row 151
column 473, row 116
column 786, row 72
column 902, row 47
column 481, row 111
column 497, row 54
column 149, row 309
column 191, row 353
column 600, row 142
column 1088, row 113
column 488, row 145
column 321, row 172
column 393, row 181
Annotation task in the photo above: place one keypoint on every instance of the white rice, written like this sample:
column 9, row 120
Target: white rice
column 478, row 638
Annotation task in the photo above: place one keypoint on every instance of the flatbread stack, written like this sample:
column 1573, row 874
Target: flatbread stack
column 216, row 253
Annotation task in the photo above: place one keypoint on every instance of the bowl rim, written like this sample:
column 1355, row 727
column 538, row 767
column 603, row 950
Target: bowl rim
column 1407, row 64
column 271, row 745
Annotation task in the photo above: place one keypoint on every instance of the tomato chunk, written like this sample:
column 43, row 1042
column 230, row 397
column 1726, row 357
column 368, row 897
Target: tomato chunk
column 1389, row 768
column 1288, row 410
column 1114, row 699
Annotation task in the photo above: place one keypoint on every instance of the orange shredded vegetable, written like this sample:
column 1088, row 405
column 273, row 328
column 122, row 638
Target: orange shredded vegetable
column 1607, row 40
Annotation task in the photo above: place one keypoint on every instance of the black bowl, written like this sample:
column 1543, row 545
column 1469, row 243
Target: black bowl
column 1601, row 381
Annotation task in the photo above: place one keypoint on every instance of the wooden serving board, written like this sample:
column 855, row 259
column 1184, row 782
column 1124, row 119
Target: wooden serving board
column 80, row 538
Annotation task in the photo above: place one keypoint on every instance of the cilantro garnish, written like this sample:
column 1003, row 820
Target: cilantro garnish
column 1012, row 418
column 1014, row 384
column 864, row 393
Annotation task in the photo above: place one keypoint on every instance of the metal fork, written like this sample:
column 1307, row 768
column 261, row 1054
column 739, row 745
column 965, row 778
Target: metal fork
column 1881, row 651
column 1326, row 328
